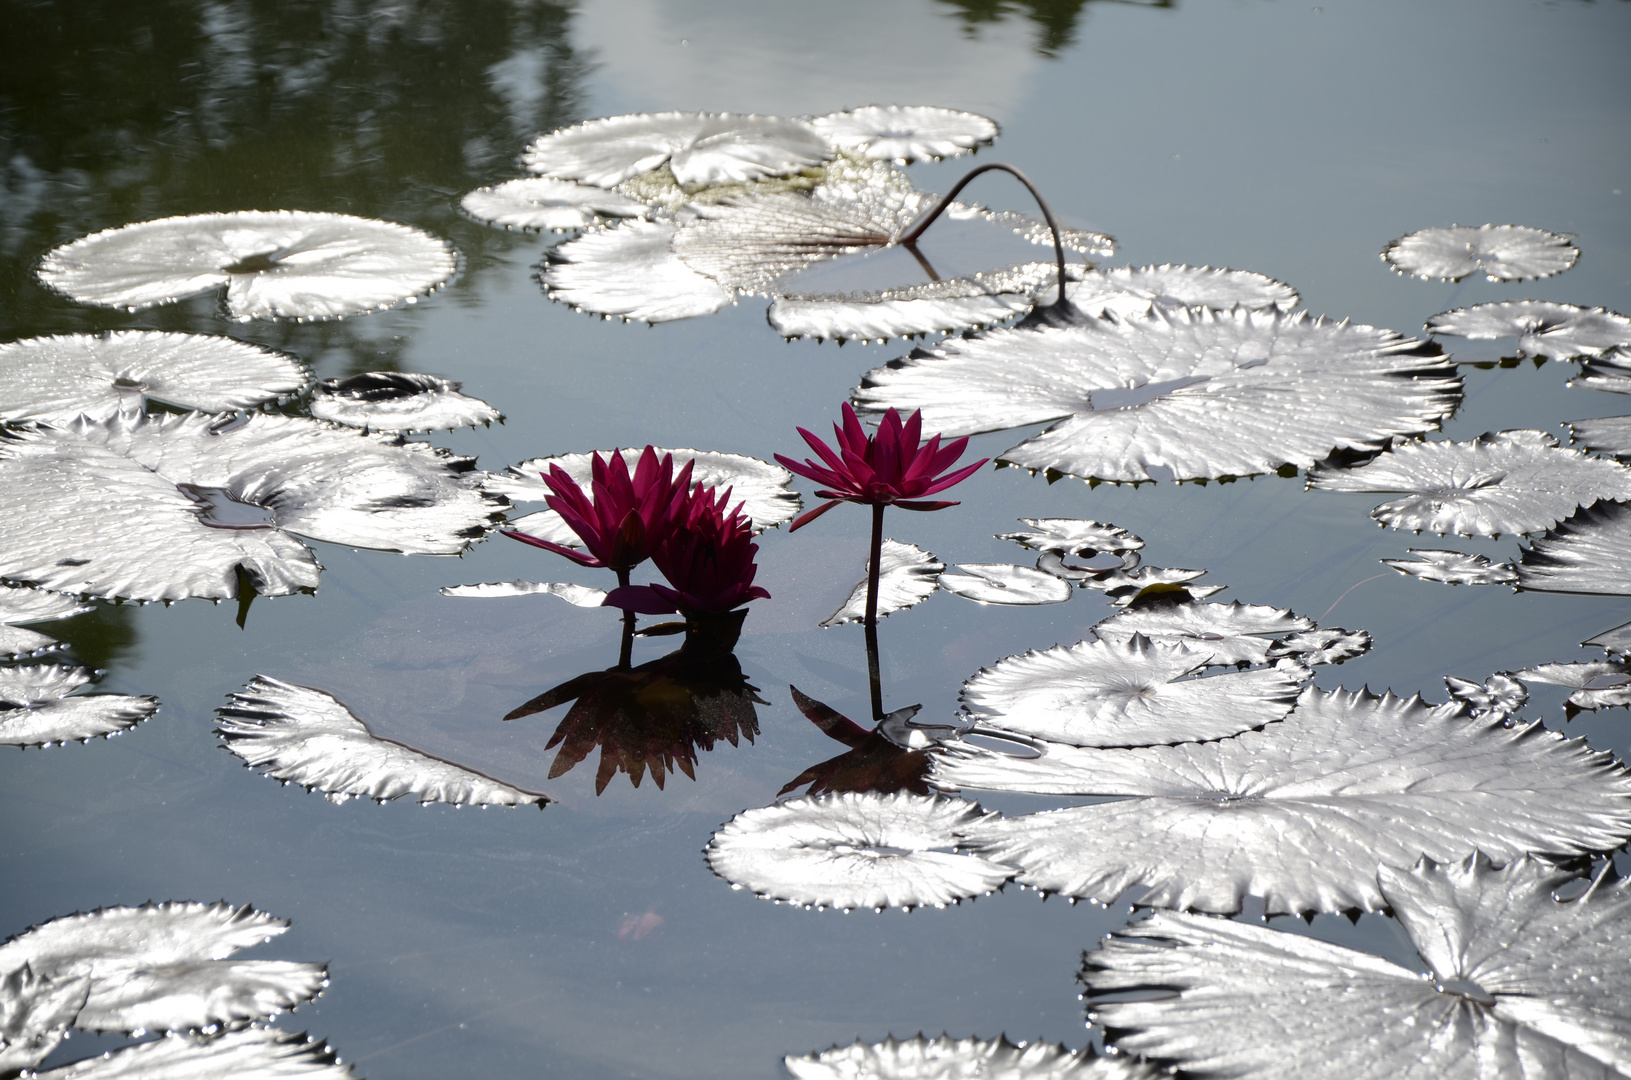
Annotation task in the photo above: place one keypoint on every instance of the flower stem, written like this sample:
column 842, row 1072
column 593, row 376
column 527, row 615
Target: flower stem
column 625, row 654
column 874, row 570
column 874, row 676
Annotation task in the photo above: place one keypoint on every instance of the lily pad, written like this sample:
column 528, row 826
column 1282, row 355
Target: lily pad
column 1500, row 696
column 304, row 736
column 283, row 264
column 1617, row 640
column 165, row 966
column 699, row 148
column 1004, row 583
column 35, row 1014
column 1610, row 372
column 1519, row 984
column 21, row 605
column 1600, row 684
column 1127, row 692
column 579, row 595
column 398, row 401
column 1454, row 568
column 1500, row 252
column 1606, row 435
column 1130, row 290
column 1499, row 483
column 1147, row 584
column 539, row 202
column 1073, row 536
column 35, row 709
column 1589, row 553
column 1302, row 812
column 905, row 133
column 906, row 576
column 254, row 1053
column 1238, row 634
column 58, row 378
column 849, row 850
column 1190, row 392
column 980, row 299
column 1543, row 328
column 947, row 1058
column 631, row 270
column 1322, row 645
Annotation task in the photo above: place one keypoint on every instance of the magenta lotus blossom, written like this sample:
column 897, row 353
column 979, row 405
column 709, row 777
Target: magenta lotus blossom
column 886, row 469
column 707, row 559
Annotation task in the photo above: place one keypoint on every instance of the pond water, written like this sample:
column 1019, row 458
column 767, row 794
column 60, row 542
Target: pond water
column 590, row 939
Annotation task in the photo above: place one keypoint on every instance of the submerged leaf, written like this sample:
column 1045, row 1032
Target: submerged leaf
column 1073, row 536
column 1302, row 812
column 35, row 709
column 1130, row 290
column 1543, row 328
column 1502, row 252
column 283, row 264
column 543, row 203
column 699, row 148
column 1198, row 393
column 850, row 850
column 1004, row 583
column 1501, row 482
column 1601, row 684
column 580, row 595
column 946, row 1058
column 906, row 576
column 1606, row 435
column 398, row 401
column 1520, row 985
column 255, row 1053
column 300, row 735
column 905, row 133
column 1224, row 634
column 1589, row 553
column 99, row 375
column 1454, row 568
column 1127, row 692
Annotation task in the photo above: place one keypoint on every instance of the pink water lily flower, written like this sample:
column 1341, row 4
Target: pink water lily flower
column 886, row 469
column 707, row 559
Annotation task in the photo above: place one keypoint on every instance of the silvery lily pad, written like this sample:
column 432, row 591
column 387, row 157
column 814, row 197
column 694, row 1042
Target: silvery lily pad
column 1073, row 536
column 906, row 576
column 1302, row 812
column 1555, row 331
column 849, row 850
column 1606, row 435
column 60, row 377
column 1601, row 684
column 1617, row 640
column 304, row 736
column 1589, row 553
column 905, row 133
column 1190, row 391
column 762, row 487
column 1454, row 568
column 398, row 401
column 1501, row 696
column 1130, row 290
column 980, row 299
column 165, row 966
column 1322, row 645
column 1519, row 985
column 1610, row 372
column 283, row 264
column 579, row 595
column 1145, row 583
column 1501, row 482
column 1127, row 692
column 1224, row 634
column 630, row 270
column 254, row 1053
column 1004, row 583
column 35, row 1014
column 946, row 1058
column 35, row 709
column 699, row 148
column 1500, row 252
column 539, row 202
column 20, row 605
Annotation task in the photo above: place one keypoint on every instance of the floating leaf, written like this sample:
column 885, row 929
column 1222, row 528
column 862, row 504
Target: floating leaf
column 35, row 1014
column 1127, row 692
column 21, row 605
column 905, row 133
column 255, row 1053
column 580, row 595
column 630, row 270
column 760, row 486
column 1617, row 640
column 1148, row 583
column 1222, row 633
column 164, row 966
column 1520, row 985
column 1555, row 331
column 979, row 299
column 849, row 850
column 1073, row 536
column 700, row 148
column 304, row 736
column 1501, row 696
column 284, row 264
column 1501, row 482
column 1501, row 252
column 1610, row 372
column 1322, row 645
column 906, row 576
column 1454, row 568
column 60, row 377
column 1606, row 435
column 35, row 708
column 946, row 1058
column 542, row 203
column 1004, row 583
column 1130, row 290
column 398, row 401
column 1198, row 393
column 1302, row 812
column 1600, row 684
column 1589, row 553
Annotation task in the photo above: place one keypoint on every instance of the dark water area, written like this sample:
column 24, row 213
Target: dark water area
column 590, row 939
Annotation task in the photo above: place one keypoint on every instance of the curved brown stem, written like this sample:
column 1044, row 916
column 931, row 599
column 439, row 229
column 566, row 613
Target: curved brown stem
column 909, row 238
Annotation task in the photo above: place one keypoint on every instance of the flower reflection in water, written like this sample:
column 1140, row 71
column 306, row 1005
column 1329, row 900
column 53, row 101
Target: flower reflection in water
column 873, row 762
